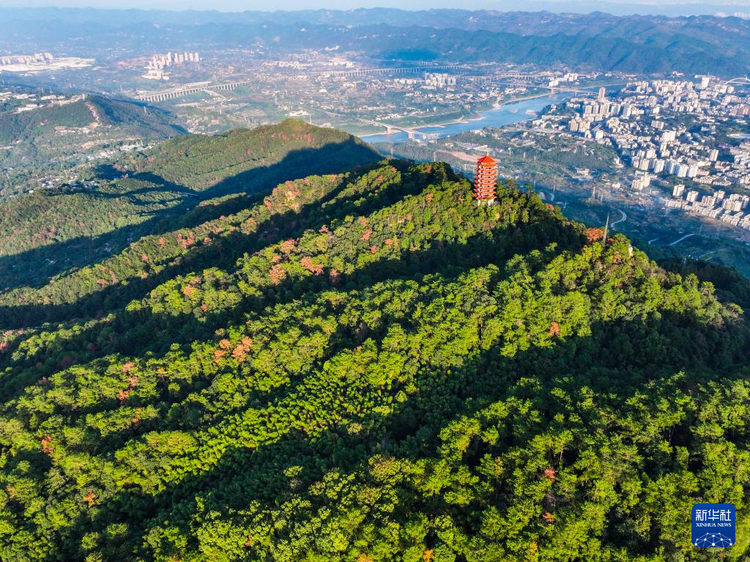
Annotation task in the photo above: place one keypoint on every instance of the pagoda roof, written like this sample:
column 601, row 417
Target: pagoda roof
column 486, row 160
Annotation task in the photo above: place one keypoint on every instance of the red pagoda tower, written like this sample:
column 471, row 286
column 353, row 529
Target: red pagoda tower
column 485, row 180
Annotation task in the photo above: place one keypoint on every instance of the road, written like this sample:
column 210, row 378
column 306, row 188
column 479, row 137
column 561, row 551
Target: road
column 624, row 217
column 681, row 239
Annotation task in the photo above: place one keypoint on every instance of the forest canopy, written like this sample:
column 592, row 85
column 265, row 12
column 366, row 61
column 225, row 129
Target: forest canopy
column 367, row 366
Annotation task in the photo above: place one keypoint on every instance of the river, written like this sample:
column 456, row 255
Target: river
column 506, row 114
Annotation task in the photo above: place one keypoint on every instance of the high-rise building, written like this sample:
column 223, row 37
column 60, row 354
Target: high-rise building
column 485, row 179
column 602, row 94
column 732, row 205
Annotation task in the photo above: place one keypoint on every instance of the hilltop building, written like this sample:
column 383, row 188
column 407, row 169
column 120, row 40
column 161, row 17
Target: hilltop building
column 485, row 180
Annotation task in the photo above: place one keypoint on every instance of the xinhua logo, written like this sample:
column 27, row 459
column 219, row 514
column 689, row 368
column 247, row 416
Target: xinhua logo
column 713, row 525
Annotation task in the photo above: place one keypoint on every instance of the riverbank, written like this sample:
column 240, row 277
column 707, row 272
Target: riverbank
column 445, row 121
column 476, row 115
column 511, row 112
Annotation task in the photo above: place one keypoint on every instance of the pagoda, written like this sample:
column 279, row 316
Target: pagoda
column 485, row 180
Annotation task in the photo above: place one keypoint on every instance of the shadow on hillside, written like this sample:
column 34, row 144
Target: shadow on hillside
column 616, row 362
column 730, row 284
column 222, row 252
column 134, row 332
column 34, row 268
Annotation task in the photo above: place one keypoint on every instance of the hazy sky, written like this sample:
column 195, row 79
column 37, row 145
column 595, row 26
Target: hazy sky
column 240, row 5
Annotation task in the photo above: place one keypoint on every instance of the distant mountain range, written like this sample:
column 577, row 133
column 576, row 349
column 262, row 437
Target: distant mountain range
column 436, row 17
column 598, row 41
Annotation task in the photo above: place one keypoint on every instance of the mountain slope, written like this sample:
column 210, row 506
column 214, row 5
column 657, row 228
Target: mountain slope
column 227, row 161
column 52, row 231
column 132, row 120
column 385, row 372
column 36, row 146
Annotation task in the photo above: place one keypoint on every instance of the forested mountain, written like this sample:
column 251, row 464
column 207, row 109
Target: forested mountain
column 50, row 231
column 72, row 131
column 131, row 119
column 367, row 366
column 265, row 155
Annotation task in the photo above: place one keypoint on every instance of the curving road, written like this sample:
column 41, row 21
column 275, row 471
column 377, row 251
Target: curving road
column 623, row 218
column 681, row 239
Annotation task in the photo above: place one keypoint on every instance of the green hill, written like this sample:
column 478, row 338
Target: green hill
column 367, row 366
column 37, row 147
column 51, row 231
column 226, row 162
column 131, row 119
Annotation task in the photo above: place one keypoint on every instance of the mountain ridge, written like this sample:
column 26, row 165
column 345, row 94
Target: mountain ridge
column 144, row 193
column 386, row 371
column 89, row 111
